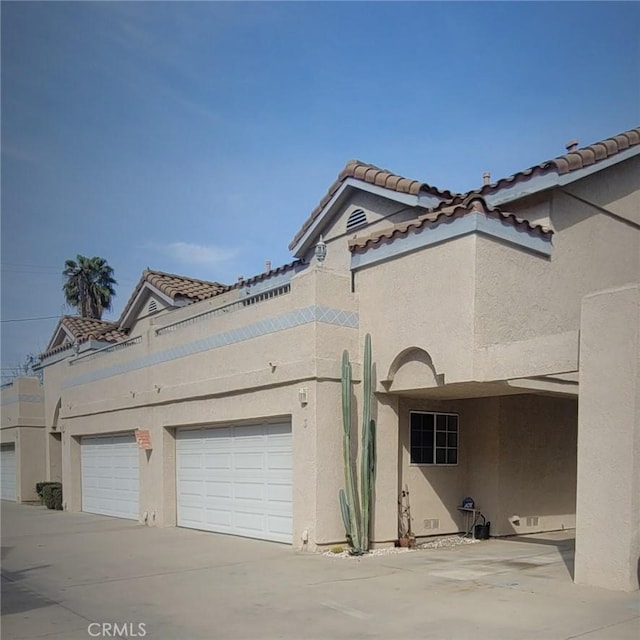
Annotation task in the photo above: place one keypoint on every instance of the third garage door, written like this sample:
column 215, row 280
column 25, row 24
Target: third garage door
column 8, row 470
column 236, row 480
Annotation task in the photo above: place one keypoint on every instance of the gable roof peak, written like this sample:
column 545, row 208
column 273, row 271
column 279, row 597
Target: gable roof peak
column 174, row 287
column 374, row 175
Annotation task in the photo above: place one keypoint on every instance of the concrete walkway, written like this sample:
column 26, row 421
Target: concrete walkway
column 63, row 571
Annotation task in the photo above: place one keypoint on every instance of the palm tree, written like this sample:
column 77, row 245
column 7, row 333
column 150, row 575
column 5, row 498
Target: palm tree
column 89, row 285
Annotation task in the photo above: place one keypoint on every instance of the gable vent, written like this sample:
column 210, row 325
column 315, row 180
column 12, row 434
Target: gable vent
column 358, row 218
column 153, row 307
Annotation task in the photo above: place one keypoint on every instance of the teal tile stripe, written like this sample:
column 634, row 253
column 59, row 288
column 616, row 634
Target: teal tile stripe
column 275, row 324
column 21, row 398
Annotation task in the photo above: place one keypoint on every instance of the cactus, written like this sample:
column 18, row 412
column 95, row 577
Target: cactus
column 356, row 514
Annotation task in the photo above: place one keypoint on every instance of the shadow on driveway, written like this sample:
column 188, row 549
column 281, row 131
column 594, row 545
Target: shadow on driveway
column 17, row 598
column 566, row 548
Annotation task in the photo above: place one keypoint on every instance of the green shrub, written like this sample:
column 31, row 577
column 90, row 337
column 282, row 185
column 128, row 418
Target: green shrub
column 41, row 485
column 56, row 495
column 52, row 495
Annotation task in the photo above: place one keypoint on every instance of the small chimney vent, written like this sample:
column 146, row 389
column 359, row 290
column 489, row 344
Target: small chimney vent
column 267, row 265
column 572, row 145
column 486, row 178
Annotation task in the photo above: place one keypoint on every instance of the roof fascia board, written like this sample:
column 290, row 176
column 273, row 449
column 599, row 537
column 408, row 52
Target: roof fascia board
column 449, row 230
column 427, row 201
column 134, row 309
column 272, row 282
column 554, row 179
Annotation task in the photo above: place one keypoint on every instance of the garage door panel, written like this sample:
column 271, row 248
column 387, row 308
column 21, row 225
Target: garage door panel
column 249, row 491
column 280, row 524
column 241, row 480
column 219, row 489
column 110, row 475
column 279, row 461
column 218, row 461
column 250, row 520
column 8, row 488
column 279, row 493
column 219, row 518
column 248, row 461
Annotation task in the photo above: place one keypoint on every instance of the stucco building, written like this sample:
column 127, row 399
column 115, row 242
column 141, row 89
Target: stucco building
column 22, row 437
column 505, row 328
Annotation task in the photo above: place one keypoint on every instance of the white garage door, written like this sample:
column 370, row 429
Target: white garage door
column 236, row 480
column 110, row 476
column 8, row 472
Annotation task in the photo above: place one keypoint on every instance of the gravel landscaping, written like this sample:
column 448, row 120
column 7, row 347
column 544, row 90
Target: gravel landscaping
column 447, row 542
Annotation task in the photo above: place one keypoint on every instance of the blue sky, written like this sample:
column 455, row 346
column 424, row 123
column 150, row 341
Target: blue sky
column 195, row 138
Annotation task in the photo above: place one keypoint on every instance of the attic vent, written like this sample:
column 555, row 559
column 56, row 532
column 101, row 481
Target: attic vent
column 153, row 307
column 358, row 218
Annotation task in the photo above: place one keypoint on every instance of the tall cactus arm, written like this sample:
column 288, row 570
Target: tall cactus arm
column 368, row 437
column 349, row 478
column 346, row 516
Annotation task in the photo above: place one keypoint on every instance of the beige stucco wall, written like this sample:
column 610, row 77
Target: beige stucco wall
column 537, row 464
column 410, row 303
column 253, row 380
column 381, row 213
column 53, row 456
column 516, row 457
column 527, row 307
column 468, row 311
column 615, row 189
column 608, row 505
column 23, row 425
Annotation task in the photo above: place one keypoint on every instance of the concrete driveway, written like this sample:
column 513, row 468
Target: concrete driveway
column 62, row 572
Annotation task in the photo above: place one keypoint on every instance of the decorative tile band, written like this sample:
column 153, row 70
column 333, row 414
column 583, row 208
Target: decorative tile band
column 21, row 398
column 290, row 320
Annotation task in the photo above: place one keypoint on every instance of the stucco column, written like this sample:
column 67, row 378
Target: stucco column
column 608, row 496
column 53, row 456
column 71, row 473
column 385, row 515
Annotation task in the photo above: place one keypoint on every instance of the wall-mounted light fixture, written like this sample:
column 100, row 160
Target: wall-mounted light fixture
column 321, row 250
column 303, row 395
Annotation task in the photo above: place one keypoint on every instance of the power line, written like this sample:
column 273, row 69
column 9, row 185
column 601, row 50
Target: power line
column 30, row 319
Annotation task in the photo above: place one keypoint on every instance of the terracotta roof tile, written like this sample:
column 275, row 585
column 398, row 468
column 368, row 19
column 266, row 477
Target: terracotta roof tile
column 83, row 329
column 571, row 161
column 470, row 205
column 175, row 286
column 180, row 286
column 267, row 274
column 373, row 175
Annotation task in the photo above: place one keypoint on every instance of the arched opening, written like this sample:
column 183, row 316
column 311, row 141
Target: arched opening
column 412, row 369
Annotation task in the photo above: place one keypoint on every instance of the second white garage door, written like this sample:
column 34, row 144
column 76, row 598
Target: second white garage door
column 110, row 476
column 8, row 471
column 236, row 480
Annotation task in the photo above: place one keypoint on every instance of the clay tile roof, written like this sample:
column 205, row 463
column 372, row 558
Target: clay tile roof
column 472, row 204
column 571, row 161
column 83, row 329
column 267, row 274
column 181, row 286
column 373, row 175
column 175, row 286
